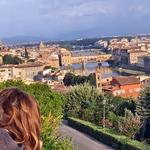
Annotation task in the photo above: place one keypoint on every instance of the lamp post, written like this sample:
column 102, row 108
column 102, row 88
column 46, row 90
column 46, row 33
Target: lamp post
column 104, row 111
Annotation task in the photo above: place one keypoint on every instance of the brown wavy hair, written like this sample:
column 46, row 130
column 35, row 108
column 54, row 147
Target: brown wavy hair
column 20, row 116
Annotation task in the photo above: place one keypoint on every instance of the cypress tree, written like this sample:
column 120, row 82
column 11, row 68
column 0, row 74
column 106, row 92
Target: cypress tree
column 143, row 104
column 26, row 54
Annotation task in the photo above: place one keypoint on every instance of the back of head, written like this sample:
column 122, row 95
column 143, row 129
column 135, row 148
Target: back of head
column 19, row 114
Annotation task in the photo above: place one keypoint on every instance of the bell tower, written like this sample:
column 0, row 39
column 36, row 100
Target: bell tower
column 98, row 76
column 42, row 46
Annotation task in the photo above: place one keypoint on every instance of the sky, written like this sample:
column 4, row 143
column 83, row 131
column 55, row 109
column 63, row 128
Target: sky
column 71, row 19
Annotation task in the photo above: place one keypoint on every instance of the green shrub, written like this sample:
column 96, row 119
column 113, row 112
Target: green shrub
column 51, row 107
column 85, row 102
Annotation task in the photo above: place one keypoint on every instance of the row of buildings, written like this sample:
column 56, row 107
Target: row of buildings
column 62, row 57
column 123, row 86
column 133, row 52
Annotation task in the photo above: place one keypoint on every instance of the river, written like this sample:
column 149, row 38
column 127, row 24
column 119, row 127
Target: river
column 88, row 68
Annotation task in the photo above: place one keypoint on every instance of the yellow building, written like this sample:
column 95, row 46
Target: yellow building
column 134, row 54
column 54, row 61
column 65, row 57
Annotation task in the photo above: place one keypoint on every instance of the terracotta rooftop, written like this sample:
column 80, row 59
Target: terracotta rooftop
column 22, row 65
column 127, row 80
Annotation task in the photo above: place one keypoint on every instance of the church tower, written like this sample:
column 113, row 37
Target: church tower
column 98, row 76
column 42, row 46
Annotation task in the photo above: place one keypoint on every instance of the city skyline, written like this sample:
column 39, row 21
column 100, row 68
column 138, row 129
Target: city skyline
column 70, row 19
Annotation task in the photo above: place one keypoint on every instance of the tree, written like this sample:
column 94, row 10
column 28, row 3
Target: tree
column 71, row 79
column 127, row 125
column 91, row 79
column 143, row 110
column 26, row 53
column 85, row 102
column 143, row 104
column 129, row 105
column 8, row 59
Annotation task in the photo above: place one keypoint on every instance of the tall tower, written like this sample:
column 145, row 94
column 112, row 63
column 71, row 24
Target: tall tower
column 98, row 76
column 42, row 46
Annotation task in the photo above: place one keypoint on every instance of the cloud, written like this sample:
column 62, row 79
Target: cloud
column 57, row 18
column 140, row 9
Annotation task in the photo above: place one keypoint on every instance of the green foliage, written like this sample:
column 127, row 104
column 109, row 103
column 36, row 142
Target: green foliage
column 50, row 135
column 91, row 79
column 120, row 109
column 127, row 125
column 50, row 102
column 86, row 102
column 8, row 59
column 107, row 136
column 51, row 106
column 143, row 105
column 71, row 79
column 143, row 110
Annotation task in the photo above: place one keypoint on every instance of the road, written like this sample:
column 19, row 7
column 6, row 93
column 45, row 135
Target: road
column 82, row 141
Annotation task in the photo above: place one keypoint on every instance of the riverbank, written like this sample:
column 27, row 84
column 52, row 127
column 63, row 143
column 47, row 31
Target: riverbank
column 129, row 71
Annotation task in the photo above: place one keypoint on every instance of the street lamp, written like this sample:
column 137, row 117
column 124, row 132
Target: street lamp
column 104, row 111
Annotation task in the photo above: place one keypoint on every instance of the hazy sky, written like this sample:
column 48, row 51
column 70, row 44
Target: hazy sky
column 66, row 19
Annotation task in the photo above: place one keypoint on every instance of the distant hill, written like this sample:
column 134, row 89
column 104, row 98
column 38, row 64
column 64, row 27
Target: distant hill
column 29, row 40
column 23, row 39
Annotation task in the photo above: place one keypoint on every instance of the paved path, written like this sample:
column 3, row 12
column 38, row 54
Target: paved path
column 82, row 141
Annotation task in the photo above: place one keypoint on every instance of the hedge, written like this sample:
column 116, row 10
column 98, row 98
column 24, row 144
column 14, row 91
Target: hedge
column 107, row 136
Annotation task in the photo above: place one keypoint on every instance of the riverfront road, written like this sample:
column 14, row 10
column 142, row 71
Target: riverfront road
column 82, row 141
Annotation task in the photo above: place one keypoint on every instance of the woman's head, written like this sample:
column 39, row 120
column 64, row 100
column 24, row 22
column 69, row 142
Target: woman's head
column 19, row 114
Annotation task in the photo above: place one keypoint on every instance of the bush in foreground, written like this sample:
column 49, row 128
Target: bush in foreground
column 51, row 107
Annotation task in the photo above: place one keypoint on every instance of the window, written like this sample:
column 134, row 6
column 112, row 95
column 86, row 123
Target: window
column 2, row 70
column 137, row 89
column 123, row 91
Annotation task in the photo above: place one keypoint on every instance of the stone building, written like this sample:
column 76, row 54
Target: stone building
column 133, row 56
column 6, row 72
column 65, row 57
column 130, row 57
column 144, row 62
column 25, row 72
